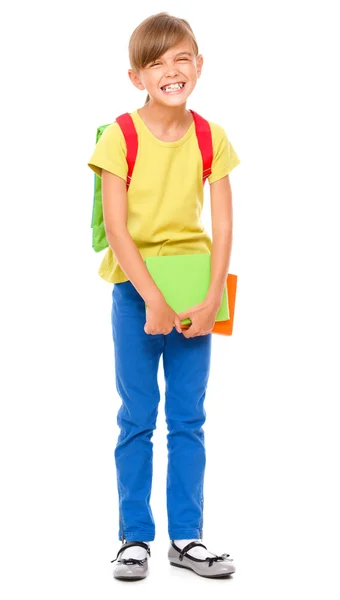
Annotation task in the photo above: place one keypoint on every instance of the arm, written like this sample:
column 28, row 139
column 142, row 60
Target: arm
column 115, row 212
column 222, row 229
column 203, row 315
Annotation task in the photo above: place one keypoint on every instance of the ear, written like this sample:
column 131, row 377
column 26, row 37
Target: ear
column 135, row 80
column 199, row 64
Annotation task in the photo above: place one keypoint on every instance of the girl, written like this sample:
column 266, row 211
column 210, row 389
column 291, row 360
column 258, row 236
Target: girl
column 160, row 215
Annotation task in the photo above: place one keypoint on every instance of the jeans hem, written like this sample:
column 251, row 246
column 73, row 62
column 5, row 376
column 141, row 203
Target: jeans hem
column 184, row 534
column 138, row 536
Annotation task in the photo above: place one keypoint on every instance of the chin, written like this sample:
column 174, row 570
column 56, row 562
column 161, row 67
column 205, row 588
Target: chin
column 174, row 100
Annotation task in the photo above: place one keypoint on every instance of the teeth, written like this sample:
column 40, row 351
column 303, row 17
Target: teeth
column 176, row 86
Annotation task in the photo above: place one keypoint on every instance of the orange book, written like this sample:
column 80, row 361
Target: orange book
column 226, row 327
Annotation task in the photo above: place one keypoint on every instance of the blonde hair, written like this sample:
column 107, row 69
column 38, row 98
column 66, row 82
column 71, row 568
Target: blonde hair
column 154, row 36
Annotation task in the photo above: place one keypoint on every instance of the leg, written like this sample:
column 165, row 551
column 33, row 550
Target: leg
column 186, row 370
column 137, row 356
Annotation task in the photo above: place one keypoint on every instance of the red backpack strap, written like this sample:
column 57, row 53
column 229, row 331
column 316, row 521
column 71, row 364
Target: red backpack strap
column 127, row 126
column 204, row 138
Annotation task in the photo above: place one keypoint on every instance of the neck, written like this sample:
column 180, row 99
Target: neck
column 170, row 117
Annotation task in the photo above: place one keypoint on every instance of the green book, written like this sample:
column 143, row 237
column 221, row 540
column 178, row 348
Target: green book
column 184, row 281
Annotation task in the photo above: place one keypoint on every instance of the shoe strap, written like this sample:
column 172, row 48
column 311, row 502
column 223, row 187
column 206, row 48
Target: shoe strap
column 186, row 548
column 210, row 559
column 129, row 544
column 192, row 545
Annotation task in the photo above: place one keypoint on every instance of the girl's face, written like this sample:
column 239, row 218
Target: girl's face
column 178, row 65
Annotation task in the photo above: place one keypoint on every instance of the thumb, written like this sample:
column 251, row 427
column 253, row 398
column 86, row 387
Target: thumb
column 178, row 324
column 184, row 315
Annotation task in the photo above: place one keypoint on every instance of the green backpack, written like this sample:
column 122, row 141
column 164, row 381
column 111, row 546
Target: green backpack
column 99, row 241
column 125, row 121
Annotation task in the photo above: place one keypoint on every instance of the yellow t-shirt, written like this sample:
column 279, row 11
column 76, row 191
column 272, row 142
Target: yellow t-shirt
column 165, row 196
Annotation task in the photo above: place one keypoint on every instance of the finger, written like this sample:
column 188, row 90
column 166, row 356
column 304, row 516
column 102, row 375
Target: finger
column 189, row 333
column 184, row 315
column 178, row 324
column 148, row 330
column 189, row 311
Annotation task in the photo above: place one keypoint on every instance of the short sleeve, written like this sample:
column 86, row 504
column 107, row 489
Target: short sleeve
column 225, row 157
column 110, row 152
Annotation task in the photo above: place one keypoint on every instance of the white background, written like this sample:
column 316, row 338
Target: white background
column 270, row 78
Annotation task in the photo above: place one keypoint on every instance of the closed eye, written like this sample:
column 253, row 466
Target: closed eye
column 157, row 63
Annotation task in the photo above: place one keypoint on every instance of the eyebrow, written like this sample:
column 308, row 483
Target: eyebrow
column 178, row 54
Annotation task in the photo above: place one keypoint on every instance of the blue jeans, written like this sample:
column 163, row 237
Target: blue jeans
column 186, row 364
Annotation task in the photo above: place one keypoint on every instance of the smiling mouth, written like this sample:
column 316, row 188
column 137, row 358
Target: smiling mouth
column 173, row 87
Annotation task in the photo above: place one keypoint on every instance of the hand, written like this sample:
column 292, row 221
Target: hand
column 160, row 318
column 202, row 316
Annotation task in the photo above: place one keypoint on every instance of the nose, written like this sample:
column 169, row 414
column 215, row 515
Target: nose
column 171, row 71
